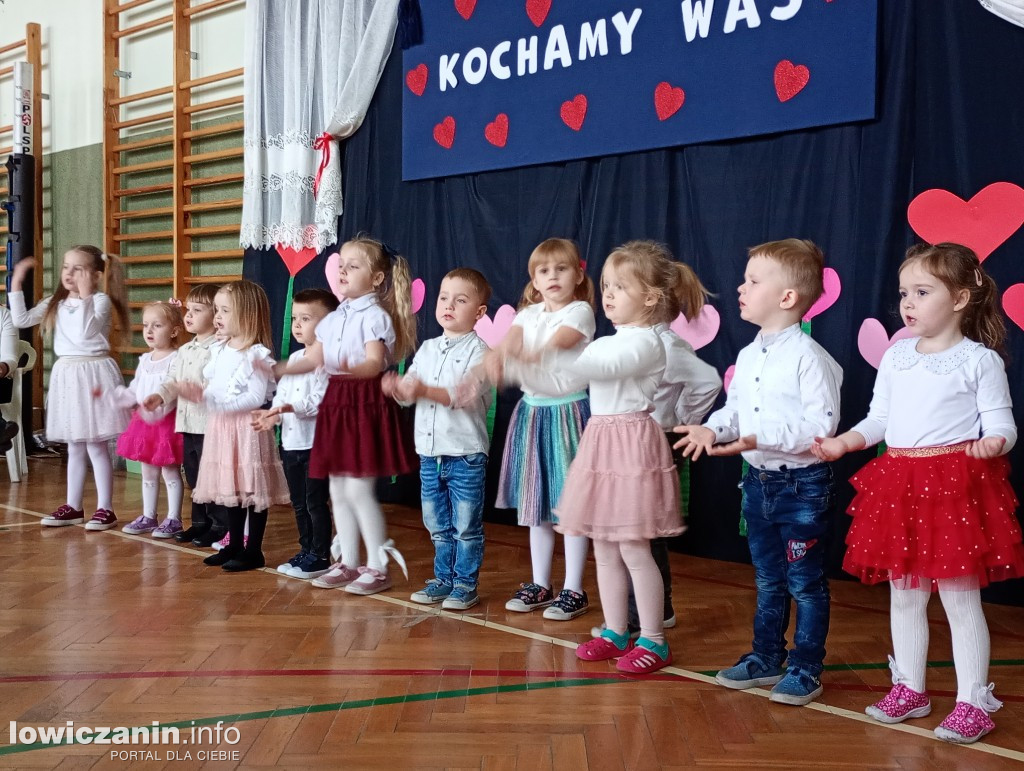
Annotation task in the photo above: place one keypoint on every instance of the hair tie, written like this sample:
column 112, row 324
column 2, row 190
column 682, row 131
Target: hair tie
column 391, row 253
column 103, row 256
column 977, row 276
column 175, row 302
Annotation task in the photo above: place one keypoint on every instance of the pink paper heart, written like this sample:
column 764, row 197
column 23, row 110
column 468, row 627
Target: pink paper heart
column 331, row 271
column 1013, row 304
column 833, row 288
column 727, row 377
column 701, row 330
column 493, row 332
column 982, row 223
column 296, row 259
column 873, row 341
column 419, row 292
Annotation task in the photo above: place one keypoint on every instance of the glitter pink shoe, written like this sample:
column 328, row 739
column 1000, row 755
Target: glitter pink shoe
column 901, row 703
column 370, row 581
column 965, row 724
column 338, row 577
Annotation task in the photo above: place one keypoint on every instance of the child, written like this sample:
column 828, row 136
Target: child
column 80, row 318
column 295, row 406
column 936, row 510
column 359, row 434
column 785, row 392
column 8, row 367
column 150, row 438
column 622, row 490
column 451, row 441
column 239, row 470
column 190, row 420
column 556, row 313
column 685, row 395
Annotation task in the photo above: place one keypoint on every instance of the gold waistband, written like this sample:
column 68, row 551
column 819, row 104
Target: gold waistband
column 926, row 452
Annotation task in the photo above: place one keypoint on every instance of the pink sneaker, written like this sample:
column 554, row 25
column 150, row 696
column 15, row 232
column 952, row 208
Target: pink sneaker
column 901, row 703
column 227, row 540
column 601, row 649
column 965, row 724
column 103, row 519
column 646, row 657
column 370, row 581
column 337, row 577
column 63, row 516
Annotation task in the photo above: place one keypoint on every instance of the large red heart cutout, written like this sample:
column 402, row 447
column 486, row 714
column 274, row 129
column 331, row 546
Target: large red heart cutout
column 667, row 100
column 1013, row 304
column 296, row 259
column 416, row 79
column 982, row 223
column 496, row 132
column 465, row 8
column 444, row 132
column 790, row 79
column 537, row 10
column 574, row 112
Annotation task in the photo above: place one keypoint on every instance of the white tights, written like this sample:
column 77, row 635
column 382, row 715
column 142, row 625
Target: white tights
column 102, row 471
column 618, row 564
column 356, row 511
column 172, row 481
column 909, row 618
column 542, row 549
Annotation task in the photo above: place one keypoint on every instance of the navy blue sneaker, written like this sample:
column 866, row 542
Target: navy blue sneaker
column 749, row 672
column 798, row 687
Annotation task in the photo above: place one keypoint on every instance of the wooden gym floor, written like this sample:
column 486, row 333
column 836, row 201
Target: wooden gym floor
column 106, row 629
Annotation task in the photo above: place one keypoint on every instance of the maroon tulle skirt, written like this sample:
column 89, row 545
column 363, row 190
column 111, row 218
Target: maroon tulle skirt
column 933, row 513
column 154, row 443
column 360, row 432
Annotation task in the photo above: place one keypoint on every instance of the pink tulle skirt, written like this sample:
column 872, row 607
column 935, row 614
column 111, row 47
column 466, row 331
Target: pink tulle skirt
column 154, row 443
column 239, row 467
column 622, row 484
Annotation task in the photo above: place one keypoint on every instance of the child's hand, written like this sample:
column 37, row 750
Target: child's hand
column 988, row 447
column 494, row 367
column 696, row 439
column 828, row 448
column 189, row 391
column 21, row 269
column 467, row 391
column 512, row 346
column 152, row 401
column 84, row 281
column 743, row 444
column 389, row 384
column 410, row 389
column 256, row 417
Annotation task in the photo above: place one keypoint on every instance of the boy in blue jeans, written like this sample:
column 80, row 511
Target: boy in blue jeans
column 784, row 393
column 451, row 441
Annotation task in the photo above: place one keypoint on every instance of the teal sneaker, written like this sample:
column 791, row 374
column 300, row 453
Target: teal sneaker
column 461, row 599
column 798, row 687
column 431, row 594
column 749, row 672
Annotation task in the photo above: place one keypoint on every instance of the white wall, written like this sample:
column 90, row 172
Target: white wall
column 72, row 34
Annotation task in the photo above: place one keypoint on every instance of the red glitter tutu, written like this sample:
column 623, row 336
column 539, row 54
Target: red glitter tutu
column 931, row 513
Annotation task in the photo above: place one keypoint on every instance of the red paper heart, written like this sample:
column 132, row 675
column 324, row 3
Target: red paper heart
column 444, row 132
column 465, row 8
column 790, row 79
column 668, row 100
column 574, row 112
column 1013, row 304
column 416, row 79
column 537, row 10
column 296, row 259
column 982, row 224
column 496, row 132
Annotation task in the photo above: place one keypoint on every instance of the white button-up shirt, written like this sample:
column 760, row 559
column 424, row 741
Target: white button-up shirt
column 936, row 399
column 443, row 362
column 689, row 386
column 345, row 332
column 304, row 393
column 188, row 365
column 784, row 391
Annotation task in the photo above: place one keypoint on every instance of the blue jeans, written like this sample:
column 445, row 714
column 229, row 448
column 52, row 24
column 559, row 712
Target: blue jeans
column 787, row 513
column 452, row 495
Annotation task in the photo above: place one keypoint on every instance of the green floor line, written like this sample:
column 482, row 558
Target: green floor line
column 885, row 665
column 337, row 706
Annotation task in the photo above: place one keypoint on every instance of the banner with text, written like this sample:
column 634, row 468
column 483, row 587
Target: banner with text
column 512, row 83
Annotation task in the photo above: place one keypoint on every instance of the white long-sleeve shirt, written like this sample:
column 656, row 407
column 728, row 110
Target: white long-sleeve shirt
column 539, row 326
column 623, row 371
column 235, row 384
column 936, row 399
column 304, row 393
column 688, row 388
column 149, row 376
column 82, row 327
column 784, row 391
column 8, row 341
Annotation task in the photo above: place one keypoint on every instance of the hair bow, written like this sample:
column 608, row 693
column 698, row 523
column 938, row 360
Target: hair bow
column 175, row 302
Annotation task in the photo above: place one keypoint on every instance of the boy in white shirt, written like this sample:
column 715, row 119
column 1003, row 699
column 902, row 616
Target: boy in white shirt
column 295, row 408
column 452, row 442
column 784, row 393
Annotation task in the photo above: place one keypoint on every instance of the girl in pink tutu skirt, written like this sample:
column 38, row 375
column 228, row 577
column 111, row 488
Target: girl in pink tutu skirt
column 240, row 470
column 622, row 489
column 150, row 438
column 936, row 511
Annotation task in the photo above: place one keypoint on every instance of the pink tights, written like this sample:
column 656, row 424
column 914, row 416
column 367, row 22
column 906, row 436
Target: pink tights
column 618, row 562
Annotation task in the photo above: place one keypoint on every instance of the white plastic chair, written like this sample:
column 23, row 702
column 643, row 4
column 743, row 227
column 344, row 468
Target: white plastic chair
column 17, row 461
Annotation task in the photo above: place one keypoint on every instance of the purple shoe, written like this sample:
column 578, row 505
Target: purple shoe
column 338, row 577
column 140, row 525
column 168, row 528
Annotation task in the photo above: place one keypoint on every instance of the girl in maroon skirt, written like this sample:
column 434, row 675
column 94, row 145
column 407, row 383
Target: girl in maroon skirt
column 936, row 511
column 359, row 433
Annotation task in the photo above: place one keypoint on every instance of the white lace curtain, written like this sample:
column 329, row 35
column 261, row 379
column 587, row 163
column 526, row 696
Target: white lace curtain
column 311, row 66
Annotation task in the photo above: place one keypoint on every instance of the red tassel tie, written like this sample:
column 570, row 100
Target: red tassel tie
column 323, row 144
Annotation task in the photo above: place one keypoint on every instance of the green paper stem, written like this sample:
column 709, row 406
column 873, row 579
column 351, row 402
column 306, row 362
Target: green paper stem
column 806, row 326
column 401, row 373
column 491, row 412
column 881, row 450
column 684, row 488
column 286, row 326
column 743, row 499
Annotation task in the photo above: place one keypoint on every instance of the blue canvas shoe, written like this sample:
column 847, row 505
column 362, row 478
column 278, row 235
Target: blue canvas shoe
column 798, row 687
column 749, row 672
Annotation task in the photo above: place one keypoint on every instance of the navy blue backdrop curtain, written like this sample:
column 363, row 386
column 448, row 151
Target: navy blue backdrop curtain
column 950, row 96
